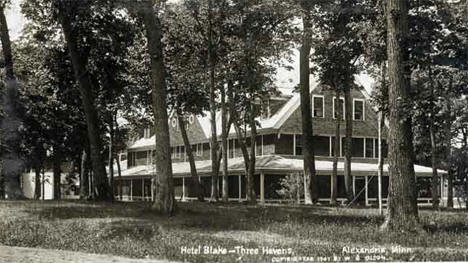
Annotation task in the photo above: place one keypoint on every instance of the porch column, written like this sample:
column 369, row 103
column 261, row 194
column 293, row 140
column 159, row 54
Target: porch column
column 183, row 188
column 240, row 188
column 441, row 185
column 262, row 188
column 367, row 187
column 354, row 185
column 152, row 189
column 131, row 189
column 143, row 189
column 379, row 189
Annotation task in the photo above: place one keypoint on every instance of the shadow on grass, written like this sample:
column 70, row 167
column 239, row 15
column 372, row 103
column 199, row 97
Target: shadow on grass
column 206, row 216
column 214, row 216
column 84, row 209
column 450, row 228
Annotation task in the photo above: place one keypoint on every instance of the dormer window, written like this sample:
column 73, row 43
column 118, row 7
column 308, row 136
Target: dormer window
column 318, row 106
column 342, row 107
column 358, row 109
column 266, row 112
column 199, row 149
column 147, row 133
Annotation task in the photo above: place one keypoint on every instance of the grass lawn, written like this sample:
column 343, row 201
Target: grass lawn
column 132, row 230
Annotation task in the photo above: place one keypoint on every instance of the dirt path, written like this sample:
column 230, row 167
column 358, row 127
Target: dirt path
column 39, row 255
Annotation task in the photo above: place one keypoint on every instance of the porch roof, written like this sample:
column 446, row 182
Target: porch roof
column 273, row 164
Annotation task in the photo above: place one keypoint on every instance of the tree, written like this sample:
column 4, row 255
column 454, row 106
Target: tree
column 310, row 177
column 263, row 33
column 336, row 151
column 164, row 189
column 402, row 199
column 209, row 20
column 79, row 57
column 336, row 56
column 53, row 119
column 185, row 77
column 12, row 164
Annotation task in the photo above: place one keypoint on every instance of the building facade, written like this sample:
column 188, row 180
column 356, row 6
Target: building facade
column 278, row 150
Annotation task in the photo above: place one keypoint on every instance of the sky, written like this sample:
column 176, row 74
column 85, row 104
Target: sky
column 285, row 78
column 15, row 19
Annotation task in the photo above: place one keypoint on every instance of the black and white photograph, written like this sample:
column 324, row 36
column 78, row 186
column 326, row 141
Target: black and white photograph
column 279, row 131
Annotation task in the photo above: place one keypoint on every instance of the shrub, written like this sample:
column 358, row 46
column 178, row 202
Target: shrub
column 292, row 187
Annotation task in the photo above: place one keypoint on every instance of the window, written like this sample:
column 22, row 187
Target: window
column 176, row 152
column 342, row 107
column 199, row 149
column 357, row 149
column 318, row 107
column 298, row 144
column 265, row 109
column 131, row 161
column 231, row 148
column 384, row 148
column 333, row 146
column 376, row 148
column 141, row 155
column 358, row 109
column 259, row 145
column 146, row 132
column 322, row 145
column 369, row 148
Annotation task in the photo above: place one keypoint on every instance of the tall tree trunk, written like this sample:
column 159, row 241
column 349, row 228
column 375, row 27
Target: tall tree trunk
column 298, row 188
column 435, row 177
column 38, row 166
column 450, row 188
column 225, row 130
column 449, row 150
column 402, row 198
column 310, row 179
column 37, row 181
column 381, row 120
column 243, row 147
column 57, row 173
column 380, row 125
column 43, row 183
column 2, row 183
column 117, row 160
column 84, row 176
column 101, row 189
column 188, row 148
column 348, row 143
column 251, row 195
column 212, row 83
column 119, row 174
column 111, row 154
column 12, row 165
column 336, row 149
column 164, row 188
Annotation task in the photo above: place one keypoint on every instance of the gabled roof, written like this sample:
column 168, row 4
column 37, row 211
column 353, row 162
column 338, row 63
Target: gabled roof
column 275, row 122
